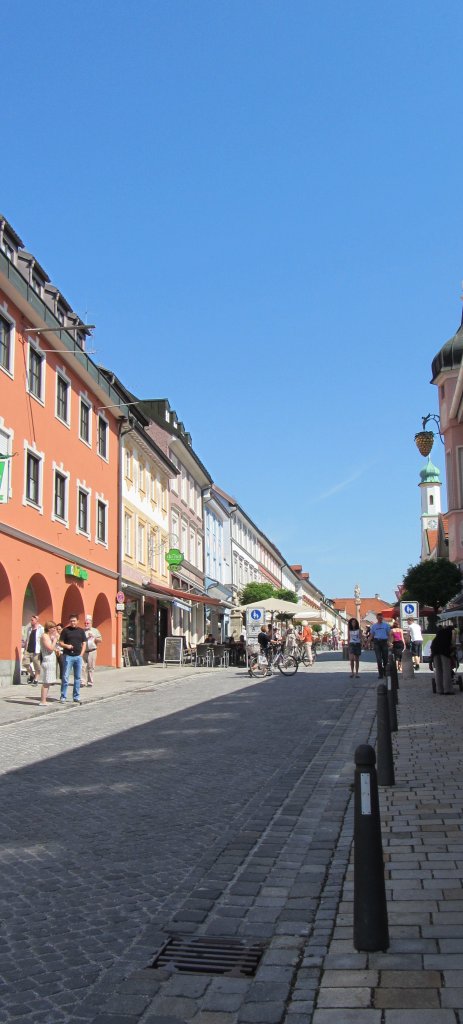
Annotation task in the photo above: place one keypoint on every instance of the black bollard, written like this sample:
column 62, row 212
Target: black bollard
column 384, row 741
column 371, row 932
column 391, row 704
column 395, row 680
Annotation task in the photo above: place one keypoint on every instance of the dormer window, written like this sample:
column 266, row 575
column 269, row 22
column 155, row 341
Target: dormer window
column 7, row 249
column 36, row 284
column 60, row 314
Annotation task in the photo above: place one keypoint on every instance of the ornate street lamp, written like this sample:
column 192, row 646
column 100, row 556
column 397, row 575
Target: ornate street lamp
column 424, row 439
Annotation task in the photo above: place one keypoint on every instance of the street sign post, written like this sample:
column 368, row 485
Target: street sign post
column 255, row 619
column 409, row 610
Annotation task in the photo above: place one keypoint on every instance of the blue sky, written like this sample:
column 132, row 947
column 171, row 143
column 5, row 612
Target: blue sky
column 259, row 204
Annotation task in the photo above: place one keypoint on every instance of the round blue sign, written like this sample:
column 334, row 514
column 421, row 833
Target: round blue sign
column 409, row 608
column 256, row 614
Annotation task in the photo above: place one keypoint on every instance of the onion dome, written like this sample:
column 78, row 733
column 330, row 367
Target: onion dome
column 450, row 355
column 430, row 474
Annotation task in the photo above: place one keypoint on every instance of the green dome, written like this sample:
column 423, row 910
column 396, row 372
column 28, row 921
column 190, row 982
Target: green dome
column 430, row 474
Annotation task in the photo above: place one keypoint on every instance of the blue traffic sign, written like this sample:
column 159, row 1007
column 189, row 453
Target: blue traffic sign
column 256, row 613
column 409, row 609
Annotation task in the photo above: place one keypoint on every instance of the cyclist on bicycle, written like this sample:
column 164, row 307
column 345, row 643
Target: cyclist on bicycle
column 265, row 643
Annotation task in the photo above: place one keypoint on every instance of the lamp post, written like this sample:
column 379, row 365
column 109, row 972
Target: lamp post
column 424, row 439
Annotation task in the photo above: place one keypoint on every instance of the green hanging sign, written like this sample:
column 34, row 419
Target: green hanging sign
column 4, row 480
column 174, row 557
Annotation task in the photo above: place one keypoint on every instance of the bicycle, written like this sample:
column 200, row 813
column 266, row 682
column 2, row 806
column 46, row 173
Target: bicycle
column 260, row 666
column 302, row 655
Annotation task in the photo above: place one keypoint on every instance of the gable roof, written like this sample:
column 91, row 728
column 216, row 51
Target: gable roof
column 367, row 604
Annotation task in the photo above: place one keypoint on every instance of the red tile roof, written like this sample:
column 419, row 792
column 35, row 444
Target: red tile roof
column 367, row 604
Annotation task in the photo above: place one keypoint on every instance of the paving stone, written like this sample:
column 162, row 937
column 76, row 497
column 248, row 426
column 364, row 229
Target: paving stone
column 343, row 979
column 406, row 998
column 410, row 979
column 344, row 997
column 349, row 1016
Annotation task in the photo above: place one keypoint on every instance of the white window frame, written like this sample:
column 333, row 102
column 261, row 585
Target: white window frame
column 82, row 486
column 184, row 538
column 142, row 477
column 101, row 500
column 9, row 436
column 174, row 479
column 128, row 534
column 128, row 464
column 141, row 542
column 192, row 542
column 12, row 341
column 175, row 521
column 152, row 545
column 184, row 485
column 33, row 346
column 61, row 374
column 199, row 552
column 104, row 420
column 84, row 400
column 58, row 468
column 31, row 449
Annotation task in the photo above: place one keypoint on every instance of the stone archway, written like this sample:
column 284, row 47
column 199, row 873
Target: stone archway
column 72, row 604
column 102, row 620
column 37, row 599
column 6, row 608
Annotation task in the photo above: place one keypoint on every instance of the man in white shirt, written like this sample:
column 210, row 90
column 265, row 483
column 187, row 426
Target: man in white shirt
column 416, row 642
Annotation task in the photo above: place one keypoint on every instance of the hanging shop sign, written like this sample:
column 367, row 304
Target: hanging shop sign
column 76, row 571
column 174, row 556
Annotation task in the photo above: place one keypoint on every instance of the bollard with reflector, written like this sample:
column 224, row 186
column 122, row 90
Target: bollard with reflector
column 371, row 931
column 384, row 742
column 395, row 679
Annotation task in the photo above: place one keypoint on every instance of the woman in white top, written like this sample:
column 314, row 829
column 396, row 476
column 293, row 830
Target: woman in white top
column 355, row 646
column 48, row 642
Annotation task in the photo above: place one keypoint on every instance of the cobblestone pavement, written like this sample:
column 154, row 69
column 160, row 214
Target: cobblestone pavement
column 207, row 803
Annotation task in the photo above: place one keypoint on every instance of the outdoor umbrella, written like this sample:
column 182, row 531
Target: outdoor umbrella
column 309, row 614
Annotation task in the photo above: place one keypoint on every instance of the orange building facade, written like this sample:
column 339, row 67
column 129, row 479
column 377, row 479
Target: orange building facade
column 59, row 465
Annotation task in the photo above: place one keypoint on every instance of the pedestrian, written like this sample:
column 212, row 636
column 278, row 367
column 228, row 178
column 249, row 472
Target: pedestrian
column 290, row 640
column 355, row 646
column 379, row 633
column 31, row 659
column 48, row 642
column 73, row 642
column 398, row 643
column 59, row 651
column 416, row 641
column 306, row 638
column 94, row 638
column 442, row 653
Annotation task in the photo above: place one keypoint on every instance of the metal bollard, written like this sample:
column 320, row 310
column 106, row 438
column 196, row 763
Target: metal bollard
column 371, row 931
column 395, row 680
column 391, row 704
column 384, row 742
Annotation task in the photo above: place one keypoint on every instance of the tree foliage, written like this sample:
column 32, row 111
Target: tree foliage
column 432, row 583
column 256, row 592
column 286, row 595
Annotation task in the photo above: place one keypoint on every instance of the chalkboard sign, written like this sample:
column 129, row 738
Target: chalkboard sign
column 173, row 650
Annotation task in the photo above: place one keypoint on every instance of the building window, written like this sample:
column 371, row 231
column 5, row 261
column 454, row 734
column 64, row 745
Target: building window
column 6, row 346
column 199, row 553
column 101, row 521
column 36, row 284
column 141, row 477
column 164, row 497
column 59, row 499
column 33, row 481
column 184, row 485
column 141, row 543
column 35, row 374
column 62, row 399
column 192, row 546
column 82, row 511
column 184, row 546
column 153, row 489
column 102, row 437
column 175, row 538
column 128, row 463
column 152, row 549
column 460, row 476
column 162, row 558
column 128, row 535
column 85, row 422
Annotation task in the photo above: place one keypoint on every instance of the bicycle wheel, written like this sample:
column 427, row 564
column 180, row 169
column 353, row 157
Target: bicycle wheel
column 257, row 669
column 287, row 664
column 305, row 658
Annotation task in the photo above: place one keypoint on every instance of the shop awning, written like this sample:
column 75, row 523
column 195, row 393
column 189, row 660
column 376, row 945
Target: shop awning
column 182, row 595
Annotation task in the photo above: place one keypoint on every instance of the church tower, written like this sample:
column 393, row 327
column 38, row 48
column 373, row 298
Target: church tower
column 430, row 487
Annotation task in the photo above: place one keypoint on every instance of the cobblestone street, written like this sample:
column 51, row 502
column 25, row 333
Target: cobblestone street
column 208, row 803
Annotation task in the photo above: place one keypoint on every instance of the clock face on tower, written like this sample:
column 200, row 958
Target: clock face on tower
column 431, row 524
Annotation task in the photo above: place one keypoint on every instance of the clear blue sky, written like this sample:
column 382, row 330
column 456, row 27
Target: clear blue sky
column 259, row 204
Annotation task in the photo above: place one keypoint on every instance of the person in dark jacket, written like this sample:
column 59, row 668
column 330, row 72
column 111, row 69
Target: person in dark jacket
column 442, row 651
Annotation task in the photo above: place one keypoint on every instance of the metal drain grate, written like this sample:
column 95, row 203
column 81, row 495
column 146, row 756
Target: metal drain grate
column 206, row 955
